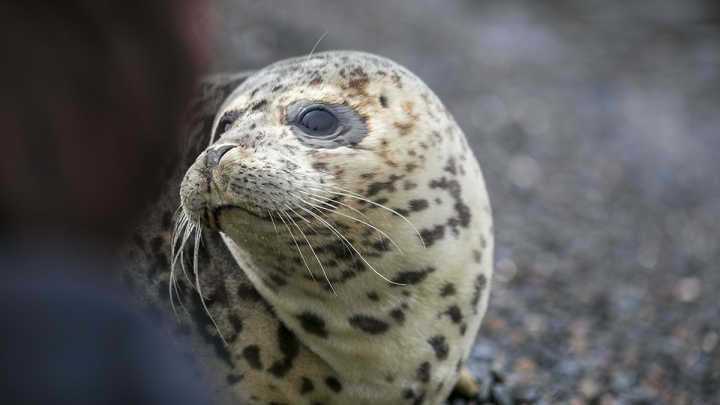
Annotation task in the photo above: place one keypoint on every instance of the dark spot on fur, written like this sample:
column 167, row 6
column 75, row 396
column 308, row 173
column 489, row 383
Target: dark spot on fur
column 408, row 393
column 279, row 281
column 463, row 211
column 233, row 379
column 383, row 101
column 480, row 283
column 463, row 329
column 450, row 166
column 313, row 324
column 455, row 314
column 205, row 325
column 389, row 185
column 340, row 251
column 402, row 211
column 398, row 315
column 368, row 324
column 248, row 293
column 477, row 256
column 252, row 355
column 440, row 347
column 373, row 296
column 420, row 399
column 359, row 83
column 411, row 277
column 259, row 105
column 307, row 386
column 157, row 245
column 382, row 245
column 333, row 384
column 404, row 128
column 236, row 322
column 316, row 80
column 138, row 240
column 423, row 372
column 220, row 296
column 289, row 347
column 409, row 185
column 429, row 236
column 320, row 166
column 439, row 387
column 418, row 205
column 448, row 289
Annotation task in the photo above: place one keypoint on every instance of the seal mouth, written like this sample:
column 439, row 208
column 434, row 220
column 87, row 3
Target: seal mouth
column 210, row 217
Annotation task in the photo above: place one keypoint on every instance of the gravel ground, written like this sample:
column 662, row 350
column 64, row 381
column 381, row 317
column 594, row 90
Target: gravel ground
column 597, row 124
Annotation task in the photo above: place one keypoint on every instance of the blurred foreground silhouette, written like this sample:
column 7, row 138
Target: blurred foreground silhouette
column 92, row 96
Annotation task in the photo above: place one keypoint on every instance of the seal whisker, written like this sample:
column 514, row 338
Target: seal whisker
column 196, row 255
column 280, row 214
column 180, row 256
column 332, row 226
column 180, row 225
column 277, row 235
column 324, row 202
column 310, row 245
column 350, row 244
column 361, row 198
column 185, row 228
column 354, row 219
column 313, row 50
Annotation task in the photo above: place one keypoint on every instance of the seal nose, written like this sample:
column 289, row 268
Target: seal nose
column 213, row 156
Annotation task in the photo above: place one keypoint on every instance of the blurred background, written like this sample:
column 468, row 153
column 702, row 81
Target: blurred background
column 597, row 125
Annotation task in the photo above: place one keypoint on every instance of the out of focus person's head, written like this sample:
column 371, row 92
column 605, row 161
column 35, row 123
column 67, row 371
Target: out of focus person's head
column 90, row 105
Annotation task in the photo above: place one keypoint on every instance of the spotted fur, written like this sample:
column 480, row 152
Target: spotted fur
column 348, row 270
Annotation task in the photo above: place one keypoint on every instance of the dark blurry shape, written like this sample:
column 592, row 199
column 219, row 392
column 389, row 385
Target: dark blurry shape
column 92, row 96
column 68, row 339
column 91, row 101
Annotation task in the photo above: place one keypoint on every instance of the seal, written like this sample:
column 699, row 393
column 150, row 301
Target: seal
column 359, row 234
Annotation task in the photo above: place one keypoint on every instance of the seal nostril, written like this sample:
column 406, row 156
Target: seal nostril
column 212, row 159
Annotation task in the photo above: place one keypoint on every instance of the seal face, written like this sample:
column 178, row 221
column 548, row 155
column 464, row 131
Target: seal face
column 349, row 198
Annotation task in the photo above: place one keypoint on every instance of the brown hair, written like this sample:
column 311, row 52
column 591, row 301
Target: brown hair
column 91, row 100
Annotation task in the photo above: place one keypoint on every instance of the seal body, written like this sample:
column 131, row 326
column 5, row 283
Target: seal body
column 361, row 232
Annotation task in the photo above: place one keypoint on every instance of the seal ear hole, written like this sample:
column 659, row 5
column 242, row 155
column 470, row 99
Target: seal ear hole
column 318, row 121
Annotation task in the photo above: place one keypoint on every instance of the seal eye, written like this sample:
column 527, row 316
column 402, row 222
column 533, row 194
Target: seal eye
column 318, row 122
column 224, row 125
column 226, row 122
